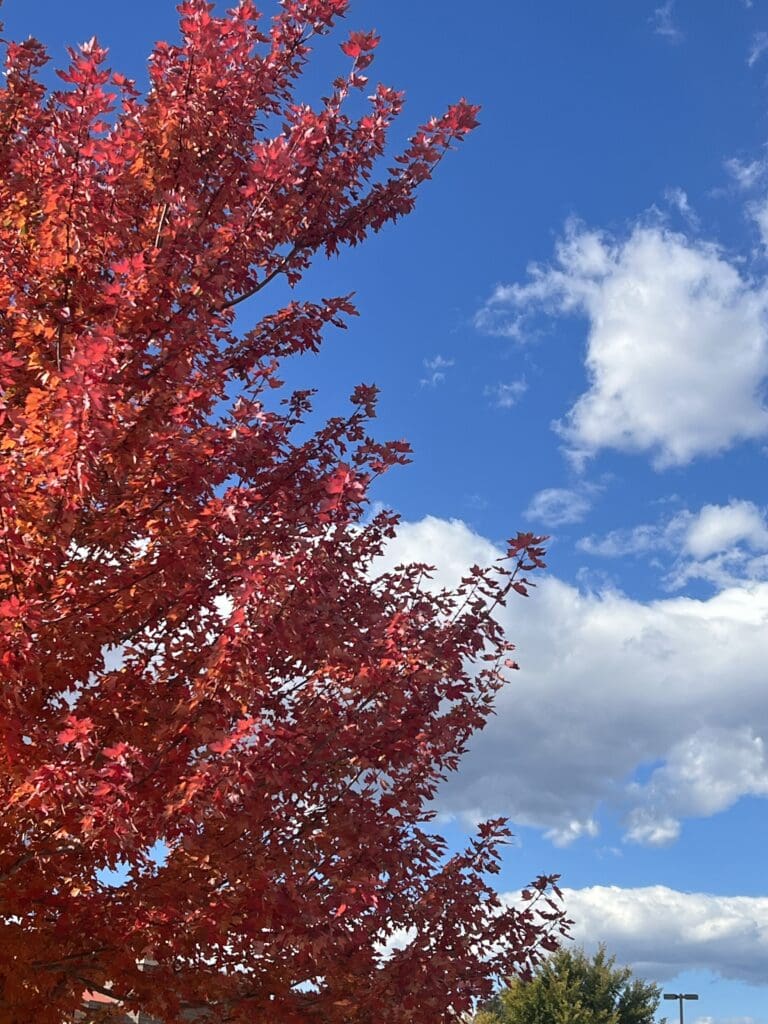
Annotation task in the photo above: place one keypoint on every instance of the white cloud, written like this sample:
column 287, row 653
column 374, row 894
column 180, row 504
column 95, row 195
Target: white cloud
column 724, row 545
column 678, row 198
column 557, row 506
column 636, row 540
column 224, row 606
column 569, row 831
column 436, row 367
column 703, row 774
column 661, row 932
column 677, row 351
column 728, row 569
column 438, row 362
column 495, row 317
column 506, row 395
column 447, row 542
column 746, row 175
column 719, row 527
column 758, row 211
column 758, row 48
column 726, row 1020
column 606, row 688
column 400, row 938
column 664, row 24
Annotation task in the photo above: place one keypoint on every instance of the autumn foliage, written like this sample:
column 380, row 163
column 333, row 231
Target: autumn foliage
column 205, row 684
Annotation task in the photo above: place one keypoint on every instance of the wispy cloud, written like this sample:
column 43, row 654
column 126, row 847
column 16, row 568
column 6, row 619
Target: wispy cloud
column 664, row 24
column 494, row 317
column 727, row 1020
column 436, row 367
column 678, row 198
column 504, row 396
column 646, row 538
column 758, row 48
column 558, row 506
column 746, row 174
column 758, row 211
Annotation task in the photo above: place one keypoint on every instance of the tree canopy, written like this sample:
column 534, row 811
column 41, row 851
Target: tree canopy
column 206, row 684
column 573, row 988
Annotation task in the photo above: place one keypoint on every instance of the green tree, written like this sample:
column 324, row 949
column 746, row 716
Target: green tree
column 571, row 988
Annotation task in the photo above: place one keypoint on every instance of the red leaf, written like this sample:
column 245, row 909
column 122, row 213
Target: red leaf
column 77, row 731
column 360, row 43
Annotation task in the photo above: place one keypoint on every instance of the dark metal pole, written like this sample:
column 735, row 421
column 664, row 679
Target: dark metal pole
column 680, row 996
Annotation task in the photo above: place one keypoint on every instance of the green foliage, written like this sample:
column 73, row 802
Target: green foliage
column 571, row 988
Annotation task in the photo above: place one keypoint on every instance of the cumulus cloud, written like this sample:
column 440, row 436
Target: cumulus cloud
column 557, row 506
column 677, row 349
column 605, row 689
column 719, row 527
column 569, row 831
column 703, row 774
column 662, row 932
column 724, row 545
column 712, row 530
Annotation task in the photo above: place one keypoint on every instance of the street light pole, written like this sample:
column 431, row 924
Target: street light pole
column 680, row 996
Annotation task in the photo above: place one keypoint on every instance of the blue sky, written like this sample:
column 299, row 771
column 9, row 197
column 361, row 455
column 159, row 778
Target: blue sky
column 572, row 330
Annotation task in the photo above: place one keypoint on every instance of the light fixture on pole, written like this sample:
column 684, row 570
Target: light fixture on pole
column 680, row 996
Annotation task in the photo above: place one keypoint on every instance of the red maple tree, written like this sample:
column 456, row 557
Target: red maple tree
column 204, row 683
